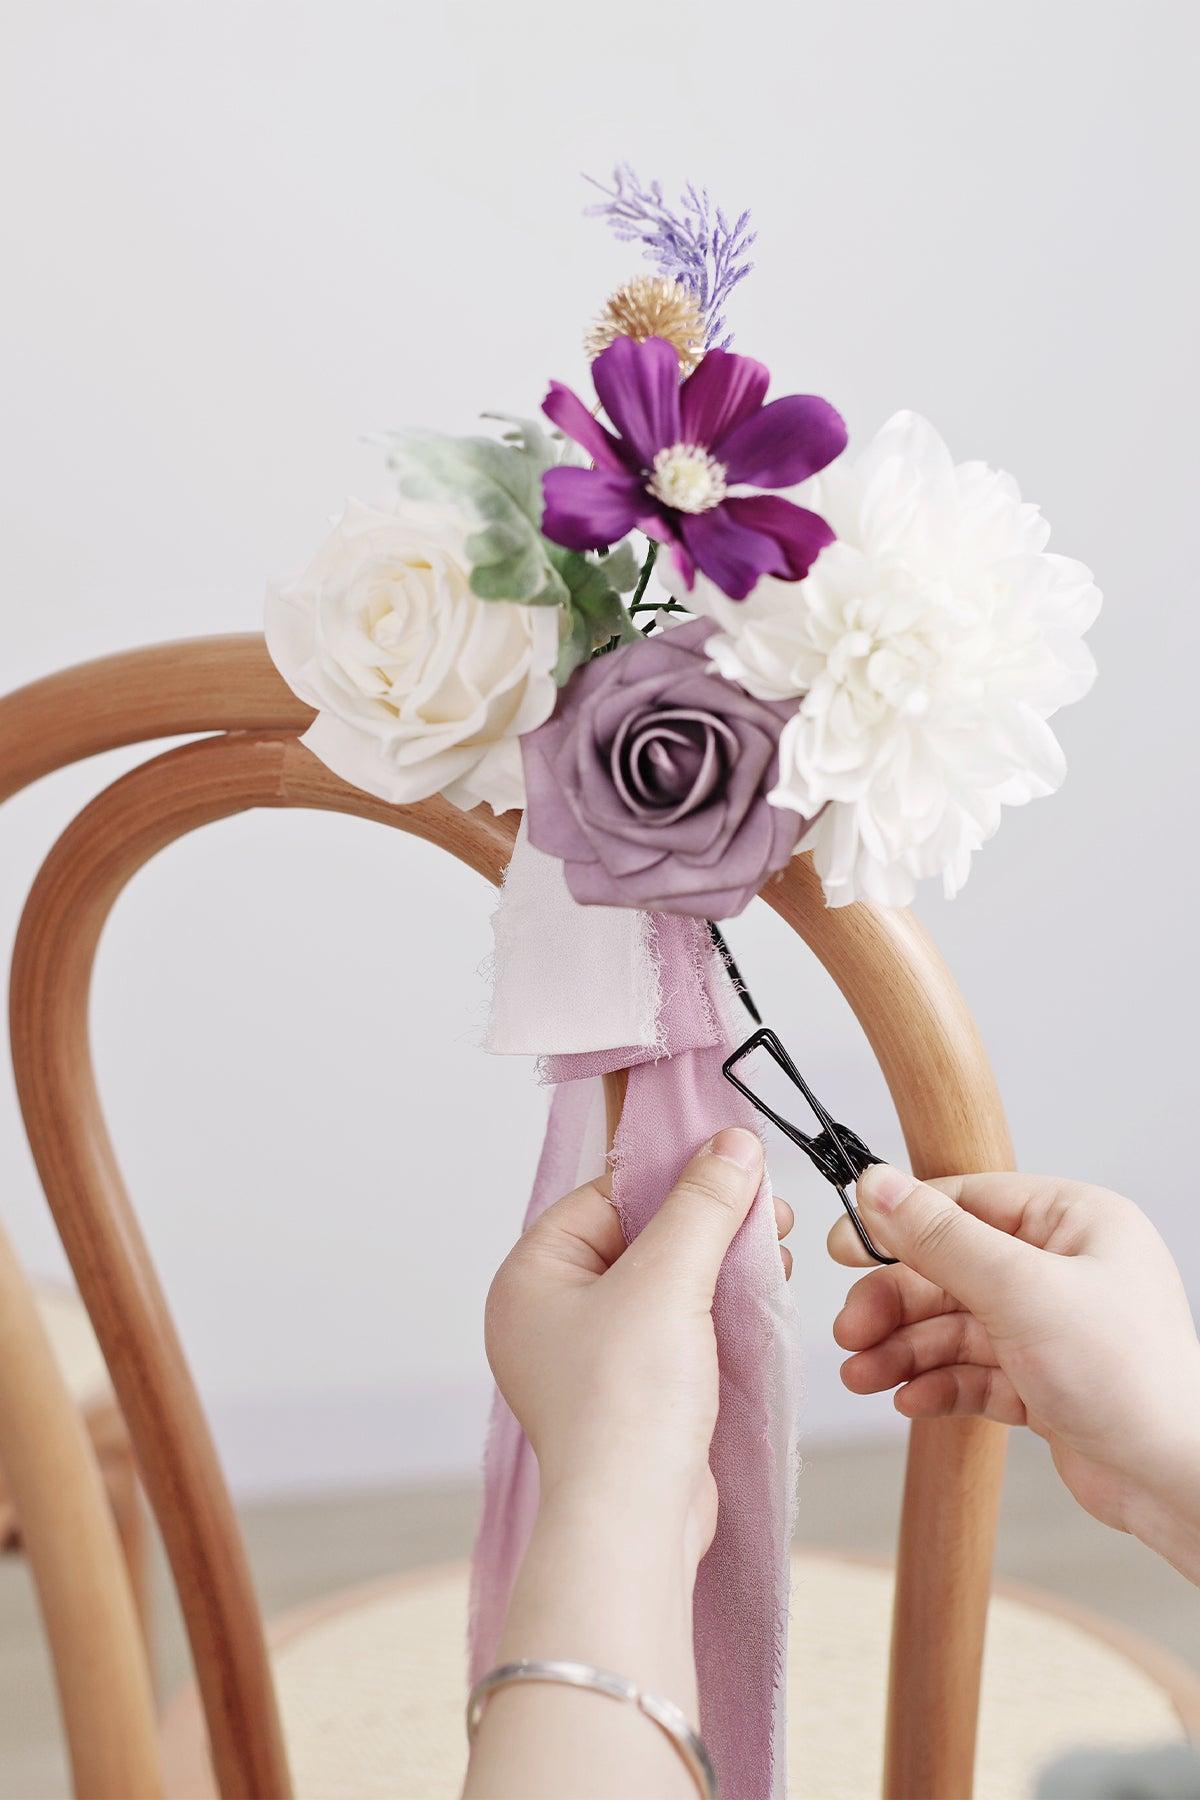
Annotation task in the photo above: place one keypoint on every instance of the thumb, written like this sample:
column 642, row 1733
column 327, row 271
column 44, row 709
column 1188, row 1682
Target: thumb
column 699, row 1218
column 933, row 1234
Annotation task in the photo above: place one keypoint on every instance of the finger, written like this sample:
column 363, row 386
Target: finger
column 785, row 1218
column 699, row 1218
column 844, row 1245
column 933, row 1234
column 786, row 1258
column 884, row 1301
column 1034, row 1208
column 946, row 1393
column 952, row 1339
column 580, row 1231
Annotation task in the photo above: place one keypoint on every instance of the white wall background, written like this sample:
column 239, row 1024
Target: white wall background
column 237, row 238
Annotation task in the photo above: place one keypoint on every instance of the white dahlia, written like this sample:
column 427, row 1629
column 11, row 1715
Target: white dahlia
column 928, row 647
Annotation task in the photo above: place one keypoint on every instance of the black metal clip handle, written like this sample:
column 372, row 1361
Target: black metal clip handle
column 839, row 1154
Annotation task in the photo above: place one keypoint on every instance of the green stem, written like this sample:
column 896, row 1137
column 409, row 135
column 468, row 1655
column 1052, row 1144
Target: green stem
column 644, row 577
column 656, row 608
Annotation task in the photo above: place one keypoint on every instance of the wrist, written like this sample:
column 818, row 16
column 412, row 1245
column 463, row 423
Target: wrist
column 634, row 1520
column 1165, row 1512
column 608, row 1579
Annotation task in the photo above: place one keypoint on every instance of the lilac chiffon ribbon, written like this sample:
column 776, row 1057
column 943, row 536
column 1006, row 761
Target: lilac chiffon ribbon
column 676, row 1099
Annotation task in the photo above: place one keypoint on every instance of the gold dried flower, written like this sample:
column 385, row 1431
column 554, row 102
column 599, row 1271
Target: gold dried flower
column 651, row 306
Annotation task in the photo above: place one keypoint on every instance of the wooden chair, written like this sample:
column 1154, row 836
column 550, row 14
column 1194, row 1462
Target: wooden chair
column 910, row 1010
column 57, row 1405
column 63, row 1322
column 56, row 1498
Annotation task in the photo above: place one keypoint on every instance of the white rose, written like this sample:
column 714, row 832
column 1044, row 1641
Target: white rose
column 420, row 687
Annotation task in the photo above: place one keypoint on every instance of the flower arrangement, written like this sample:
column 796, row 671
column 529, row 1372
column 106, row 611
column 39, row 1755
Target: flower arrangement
column 684, row 675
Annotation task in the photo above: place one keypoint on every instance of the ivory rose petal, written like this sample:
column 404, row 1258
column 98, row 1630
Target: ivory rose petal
column 420, row 687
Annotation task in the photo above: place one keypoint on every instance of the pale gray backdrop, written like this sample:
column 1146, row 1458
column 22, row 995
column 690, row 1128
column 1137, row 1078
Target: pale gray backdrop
column 237, row 239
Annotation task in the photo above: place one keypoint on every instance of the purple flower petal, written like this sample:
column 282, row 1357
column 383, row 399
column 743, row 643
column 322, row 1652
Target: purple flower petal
column 730, row 553
column 566, row 410
column 799, row 534
column 719, row 394
column 639, row 387
column 588, row 509
column 657, row 522
column 783, row 443
column 682, row 557
column 607, row 800
column 604, row 709
column 549, row 808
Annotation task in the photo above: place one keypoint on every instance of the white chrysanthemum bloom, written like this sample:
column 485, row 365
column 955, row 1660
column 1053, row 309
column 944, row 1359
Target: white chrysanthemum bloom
column 930, row 644
column 420, row 686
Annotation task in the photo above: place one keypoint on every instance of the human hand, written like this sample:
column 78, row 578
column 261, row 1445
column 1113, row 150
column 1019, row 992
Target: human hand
column 606, row 1353
column 1037, row 1302
column 607, row 1356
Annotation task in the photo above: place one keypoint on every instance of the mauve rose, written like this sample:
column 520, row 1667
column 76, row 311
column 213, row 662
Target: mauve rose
column 650, row 781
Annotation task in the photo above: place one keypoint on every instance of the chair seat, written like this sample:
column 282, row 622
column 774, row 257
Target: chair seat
column 371, row 1688
column 73, row 1341
column 78, row 1355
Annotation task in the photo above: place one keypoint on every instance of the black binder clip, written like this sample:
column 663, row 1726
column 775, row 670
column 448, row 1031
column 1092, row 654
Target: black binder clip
column 839, row 1154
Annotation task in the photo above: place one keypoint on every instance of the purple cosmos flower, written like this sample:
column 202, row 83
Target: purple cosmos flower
column 677, row 451
column 650, row 781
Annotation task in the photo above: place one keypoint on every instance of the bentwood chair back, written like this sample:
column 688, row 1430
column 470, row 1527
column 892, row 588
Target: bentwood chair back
column 911, row 1012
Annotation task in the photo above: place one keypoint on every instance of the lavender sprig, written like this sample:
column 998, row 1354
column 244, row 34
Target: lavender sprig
column 693, row 244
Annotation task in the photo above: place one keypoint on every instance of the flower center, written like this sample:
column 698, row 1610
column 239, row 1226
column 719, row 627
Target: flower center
column 687, row 478
column 669, row 762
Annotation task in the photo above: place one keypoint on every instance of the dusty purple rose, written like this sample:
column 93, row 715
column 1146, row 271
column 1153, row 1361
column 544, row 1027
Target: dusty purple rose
column 650, row 782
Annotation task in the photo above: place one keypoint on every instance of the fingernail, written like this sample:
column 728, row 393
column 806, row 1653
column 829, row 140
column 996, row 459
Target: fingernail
column 738, row 1146
column 881, row 1188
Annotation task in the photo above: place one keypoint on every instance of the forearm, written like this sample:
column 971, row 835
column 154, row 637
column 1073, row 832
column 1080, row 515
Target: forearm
column 1166, row 1516
column 607, row 1580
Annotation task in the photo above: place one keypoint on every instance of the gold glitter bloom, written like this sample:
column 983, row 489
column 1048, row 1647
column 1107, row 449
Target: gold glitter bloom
column 651, row 306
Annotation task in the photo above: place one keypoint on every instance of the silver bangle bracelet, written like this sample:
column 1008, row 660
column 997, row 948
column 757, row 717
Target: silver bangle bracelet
column 670, row 1719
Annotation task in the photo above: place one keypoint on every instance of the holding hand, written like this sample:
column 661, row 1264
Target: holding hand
column 1037, row 1302
column 606, row 1353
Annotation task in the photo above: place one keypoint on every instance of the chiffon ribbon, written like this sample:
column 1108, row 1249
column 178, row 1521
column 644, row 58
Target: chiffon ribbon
column 675, row 1100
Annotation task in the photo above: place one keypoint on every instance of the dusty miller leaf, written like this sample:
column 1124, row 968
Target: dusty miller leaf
column 500, row 484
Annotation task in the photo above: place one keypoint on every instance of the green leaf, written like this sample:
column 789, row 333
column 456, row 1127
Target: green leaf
column 544, row 447
column 500, row 485
column 621, row 568
column 594, row 611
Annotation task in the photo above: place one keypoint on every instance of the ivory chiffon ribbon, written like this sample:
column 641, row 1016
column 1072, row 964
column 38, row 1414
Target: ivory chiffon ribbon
column 676, row 1099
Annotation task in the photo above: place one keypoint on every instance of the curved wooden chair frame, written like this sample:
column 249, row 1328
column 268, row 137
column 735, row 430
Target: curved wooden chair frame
column 913, row 1015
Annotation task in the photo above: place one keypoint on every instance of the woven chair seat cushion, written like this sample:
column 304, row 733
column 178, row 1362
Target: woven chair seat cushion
column 74, row 1344
column 78, row 1355
column 372, row 1686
